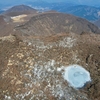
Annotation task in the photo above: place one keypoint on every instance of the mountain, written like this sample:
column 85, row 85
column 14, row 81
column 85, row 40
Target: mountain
column 6, row 28
column 2, row 21
column 1, row 11
column 20, row 9
column 14, row 17
column 54, row 23
column 45, row 6
column 97, row 23
column 61, row 5
column 34, row 57
column 49, row 4
column 88, row 12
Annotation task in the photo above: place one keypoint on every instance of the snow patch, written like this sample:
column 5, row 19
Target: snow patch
column 7, row 97
column 67, row 42
column 59, row 69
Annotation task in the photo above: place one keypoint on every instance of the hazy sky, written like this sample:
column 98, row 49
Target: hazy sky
column 89, row 2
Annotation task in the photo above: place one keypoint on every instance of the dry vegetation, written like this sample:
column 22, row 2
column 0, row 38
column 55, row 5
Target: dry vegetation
column 31, row 59
column 29, row 66
column 51, row 23
column 19, row 18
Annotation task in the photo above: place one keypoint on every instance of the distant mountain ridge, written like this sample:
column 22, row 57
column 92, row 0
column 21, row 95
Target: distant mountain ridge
column 54, row 23
column 1, row 11
column 88, row 12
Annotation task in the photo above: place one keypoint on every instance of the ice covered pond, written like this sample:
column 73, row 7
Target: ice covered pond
column 76, row 76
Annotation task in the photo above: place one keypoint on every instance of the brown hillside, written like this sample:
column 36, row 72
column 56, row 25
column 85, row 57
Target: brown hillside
column 2, row 20
column 50, row 23
column 29, row 66
column 97, row 23
column 5, row 28
column 8, row 23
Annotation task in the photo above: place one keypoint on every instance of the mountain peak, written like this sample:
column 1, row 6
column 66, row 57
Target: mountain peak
column 20, row 9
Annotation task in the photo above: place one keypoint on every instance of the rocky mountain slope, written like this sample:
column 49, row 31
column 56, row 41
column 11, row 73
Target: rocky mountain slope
column 34, row 58
column 13, row 17
column 32, row 67
column 20, row 9
column 97, row 23
column 5, row 27
column 2, row 21
column 50, row 23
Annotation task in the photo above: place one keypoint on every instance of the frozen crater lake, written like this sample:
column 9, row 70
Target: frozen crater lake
column 76, row 76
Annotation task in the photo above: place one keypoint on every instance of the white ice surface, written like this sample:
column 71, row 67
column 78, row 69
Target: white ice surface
column 76, row 76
